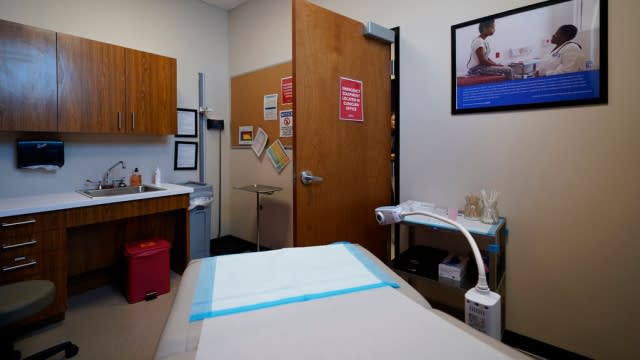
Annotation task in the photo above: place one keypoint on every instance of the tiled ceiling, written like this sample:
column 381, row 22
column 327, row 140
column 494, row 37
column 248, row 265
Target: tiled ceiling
column 225, row 4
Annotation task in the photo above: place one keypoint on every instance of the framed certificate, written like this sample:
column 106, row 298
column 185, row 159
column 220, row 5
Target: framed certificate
column 187, row 123
column 186, row 156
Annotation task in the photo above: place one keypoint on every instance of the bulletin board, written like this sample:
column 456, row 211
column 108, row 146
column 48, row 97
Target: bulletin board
column 247, row 103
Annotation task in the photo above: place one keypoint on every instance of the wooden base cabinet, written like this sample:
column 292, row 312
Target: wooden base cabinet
column 32, row 248
column 65, row 246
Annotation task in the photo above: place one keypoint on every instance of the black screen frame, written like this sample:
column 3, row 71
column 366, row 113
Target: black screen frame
column 603, row 59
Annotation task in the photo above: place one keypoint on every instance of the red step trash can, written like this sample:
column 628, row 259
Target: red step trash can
column 148, row 269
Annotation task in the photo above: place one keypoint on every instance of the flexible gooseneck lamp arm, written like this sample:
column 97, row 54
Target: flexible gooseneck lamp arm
column 482, row 306
column 395, row 214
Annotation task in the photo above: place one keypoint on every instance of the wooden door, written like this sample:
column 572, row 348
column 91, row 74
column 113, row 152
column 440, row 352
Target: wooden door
column 91, row 87
column 151, row 93
column 352, row 157
column 27, row 78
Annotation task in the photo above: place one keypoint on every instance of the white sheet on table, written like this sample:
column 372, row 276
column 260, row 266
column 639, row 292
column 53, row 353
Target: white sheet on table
column 249, row 279
column 374, row 325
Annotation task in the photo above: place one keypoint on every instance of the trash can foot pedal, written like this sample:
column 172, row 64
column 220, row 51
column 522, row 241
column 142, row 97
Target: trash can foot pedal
column 150, row 295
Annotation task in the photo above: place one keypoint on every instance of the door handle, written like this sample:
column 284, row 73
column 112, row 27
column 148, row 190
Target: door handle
column 307, row 177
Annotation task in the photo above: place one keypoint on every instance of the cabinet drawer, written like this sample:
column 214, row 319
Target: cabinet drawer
column 12, row 245
column 31, row 223
column 21, row 268
column 44, row 266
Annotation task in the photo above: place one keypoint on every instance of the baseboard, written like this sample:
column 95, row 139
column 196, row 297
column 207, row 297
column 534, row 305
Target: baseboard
column 538, row 348
column 229, row 244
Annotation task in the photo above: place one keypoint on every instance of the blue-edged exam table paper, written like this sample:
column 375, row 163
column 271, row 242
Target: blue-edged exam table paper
column 245, row 282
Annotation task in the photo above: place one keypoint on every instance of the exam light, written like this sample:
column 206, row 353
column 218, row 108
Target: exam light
column 482, row 306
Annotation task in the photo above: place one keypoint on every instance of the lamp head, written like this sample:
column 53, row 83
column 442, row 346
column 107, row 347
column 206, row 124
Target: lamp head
column 386, row 215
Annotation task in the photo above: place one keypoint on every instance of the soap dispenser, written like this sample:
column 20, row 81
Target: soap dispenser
column 136, row 178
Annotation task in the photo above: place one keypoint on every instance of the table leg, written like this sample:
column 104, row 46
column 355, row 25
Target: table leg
column 258, row 222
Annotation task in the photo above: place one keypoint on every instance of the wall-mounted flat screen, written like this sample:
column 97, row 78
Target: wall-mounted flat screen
column 552, row 53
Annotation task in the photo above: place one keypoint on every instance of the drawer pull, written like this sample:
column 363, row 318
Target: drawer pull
column 7, row 247
column 32, row 221
column 15, row 267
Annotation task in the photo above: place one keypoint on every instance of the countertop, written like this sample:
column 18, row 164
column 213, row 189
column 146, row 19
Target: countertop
column 20, row 205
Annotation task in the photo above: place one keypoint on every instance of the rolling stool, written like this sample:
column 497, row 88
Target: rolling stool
column 21, row 300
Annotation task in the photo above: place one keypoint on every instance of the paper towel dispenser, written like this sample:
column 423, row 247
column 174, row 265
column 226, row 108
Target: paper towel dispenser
column 33, row 154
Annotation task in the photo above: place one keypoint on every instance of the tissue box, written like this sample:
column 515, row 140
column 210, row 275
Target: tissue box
column 453, row 267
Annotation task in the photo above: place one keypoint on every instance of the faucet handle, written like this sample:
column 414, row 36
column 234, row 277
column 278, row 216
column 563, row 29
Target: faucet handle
column 98, row 183
column 119, row 183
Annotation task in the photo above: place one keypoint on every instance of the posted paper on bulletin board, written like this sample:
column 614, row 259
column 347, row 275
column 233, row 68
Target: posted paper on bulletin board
column 278, row 155
column 245, row 135
column 270, row 106
column 260, row 142
column 286, row 123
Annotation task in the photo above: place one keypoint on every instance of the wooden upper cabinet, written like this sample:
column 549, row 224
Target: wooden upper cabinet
column 27, row 78
column 91, row 86
column 104, row 88
column 151, row 93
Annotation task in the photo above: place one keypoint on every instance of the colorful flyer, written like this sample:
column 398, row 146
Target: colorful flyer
column 271, row 107
column 245, row 135
column 278, row 155
column 286, row 90
column 350, row 100
column 286, row 123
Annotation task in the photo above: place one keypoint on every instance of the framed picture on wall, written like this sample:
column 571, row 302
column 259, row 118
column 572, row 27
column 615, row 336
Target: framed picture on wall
column 187, row 125
column 548, row 54
column 185, row 156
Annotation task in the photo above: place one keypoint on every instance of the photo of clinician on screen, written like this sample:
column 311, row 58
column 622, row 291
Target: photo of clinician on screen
column 566, row 56
column 547, row 54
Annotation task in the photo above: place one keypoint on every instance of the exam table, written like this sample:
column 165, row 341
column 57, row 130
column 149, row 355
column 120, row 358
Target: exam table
column 380, row 323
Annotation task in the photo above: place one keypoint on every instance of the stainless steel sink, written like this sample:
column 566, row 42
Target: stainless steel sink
column 119, row 191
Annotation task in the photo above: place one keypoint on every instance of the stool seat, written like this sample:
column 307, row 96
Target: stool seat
column 23, row 299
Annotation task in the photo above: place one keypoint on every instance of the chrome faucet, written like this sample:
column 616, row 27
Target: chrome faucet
column 105, row 177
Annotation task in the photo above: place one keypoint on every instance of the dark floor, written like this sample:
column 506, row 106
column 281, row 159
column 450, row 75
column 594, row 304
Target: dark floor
column 229, row 244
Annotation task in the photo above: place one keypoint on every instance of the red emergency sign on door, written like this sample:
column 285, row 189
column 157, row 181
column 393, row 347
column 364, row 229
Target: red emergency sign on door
column 350, row 99
column 286, row 90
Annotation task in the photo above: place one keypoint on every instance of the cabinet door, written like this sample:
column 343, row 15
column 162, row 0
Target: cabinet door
column 91, row 86
column 151, row 93
column 27, row 78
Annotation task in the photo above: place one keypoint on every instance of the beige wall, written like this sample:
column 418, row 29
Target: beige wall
column 567, row 177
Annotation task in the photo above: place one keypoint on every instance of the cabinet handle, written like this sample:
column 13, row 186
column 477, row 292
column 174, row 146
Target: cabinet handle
column 119, row 121
column 7, row 247
column 133, row 120
column 9, row 268
column 32, row 221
